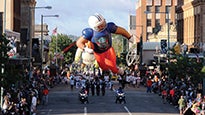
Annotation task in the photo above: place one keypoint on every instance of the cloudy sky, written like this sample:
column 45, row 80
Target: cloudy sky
column 73, row 14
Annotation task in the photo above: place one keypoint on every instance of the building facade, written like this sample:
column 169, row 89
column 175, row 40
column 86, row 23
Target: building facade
column 11, row 24
column 151, row 15
column 27, row 24
column 191, row 23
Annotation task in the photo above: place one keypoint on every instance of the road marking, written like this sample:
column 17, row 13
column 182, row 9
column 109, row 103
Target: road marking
column 49, row 111
column 127, row 110
column 85, row 110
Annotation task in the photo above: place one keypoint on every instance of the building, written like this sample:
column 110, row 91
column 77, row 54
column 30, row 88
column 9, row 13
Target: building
column 37, row 31
column 151, row 15
column 46, row 39
column 11, row 23
column 191, row 23
column 27, row 25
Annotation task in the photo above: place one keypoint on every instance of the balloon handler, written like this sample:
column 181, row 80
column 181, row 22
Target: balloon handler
column 99, row 38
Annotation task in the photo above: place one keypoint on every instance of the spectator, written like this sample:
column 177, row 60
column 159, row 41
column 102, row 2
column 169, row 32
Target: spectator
column 182, row 104
column 172, row 93
column 6, row 104
column 23, row 107
column 196, row 108
column 164, row 96
column 33, row 104
column 203, row 104
column 149, row 85
column 45, row 95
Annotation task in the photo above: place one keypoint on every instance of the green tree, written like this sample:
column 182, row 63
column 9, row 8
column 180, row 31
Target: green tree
column 184, row 66
column 119, row 43
column 62, row 42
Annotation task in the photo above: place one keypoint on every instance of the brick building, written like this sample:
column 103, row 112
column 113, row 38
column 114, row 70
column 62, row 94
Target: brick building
column 191, row 23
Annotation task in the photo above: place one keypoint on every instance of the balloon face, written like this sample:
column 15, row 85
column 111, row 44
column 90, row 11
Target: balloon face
column 88, row 58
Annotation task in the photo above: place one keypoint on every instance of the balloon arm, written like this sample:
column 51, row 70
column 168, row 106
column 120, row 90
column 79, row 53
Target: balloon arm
column 123, row 32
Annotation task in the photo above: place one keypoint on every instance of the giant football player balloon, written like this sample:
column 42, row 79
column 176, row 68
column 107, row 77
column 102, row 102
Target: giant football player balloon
column 99, row 34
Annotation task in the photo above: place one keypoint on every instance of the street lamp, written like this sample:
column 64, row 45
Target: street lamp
column 42, row 49
column 168, row 29
column 30, row 37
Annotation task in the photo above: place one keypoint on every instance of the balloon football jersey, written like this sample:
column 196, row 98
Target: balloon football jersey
column 102, row 40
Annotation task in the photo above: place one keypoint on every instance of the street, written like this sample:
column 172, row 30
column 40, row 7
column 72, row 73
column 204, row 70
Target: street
column 63, row 101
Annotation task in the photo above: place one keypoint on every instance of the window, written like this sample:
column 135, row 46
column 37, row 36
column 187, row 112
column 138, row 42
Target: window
column 168, row 2
column 168, row 8
column 167, row 20
column 157, row 22
column 157, row 9
column 149, row 22
column 149, row 8
column 157, row 3
column 132, row 22
column 149, row 2
column 167, row 16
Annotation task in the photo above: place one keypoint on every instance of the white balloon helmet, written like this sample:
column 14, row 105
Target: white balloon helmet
column 95, row 20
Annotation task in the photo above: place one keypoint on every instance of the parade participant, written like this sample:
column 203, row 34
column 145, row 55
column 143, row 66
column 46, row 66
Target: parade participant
column 99, row 34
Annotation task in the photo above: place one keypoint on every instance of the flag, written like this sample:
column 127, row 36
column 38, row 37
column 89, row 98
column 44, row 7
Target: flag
column 55, row 31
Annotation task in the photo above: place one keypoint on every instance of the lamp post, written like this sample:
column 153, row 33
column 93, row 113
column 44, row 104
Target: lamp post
column 42, row 49
column 168, row 29
column 30, row 36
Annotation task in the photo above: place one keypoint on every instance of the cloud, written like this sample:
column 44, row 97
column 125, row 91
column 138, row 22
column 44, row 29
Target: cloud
column 74, row 13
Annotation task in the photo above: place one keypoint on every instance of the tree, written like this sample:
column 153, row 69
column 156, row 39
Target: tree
column 120, row 45
column 4, row 48
column 62, row 42
column 185, row 66
column 117, row 43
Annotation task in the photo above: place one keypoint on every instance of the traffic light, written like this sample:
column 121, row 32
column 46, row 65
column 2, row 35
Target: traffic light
column 163, row 46
column 36, row 50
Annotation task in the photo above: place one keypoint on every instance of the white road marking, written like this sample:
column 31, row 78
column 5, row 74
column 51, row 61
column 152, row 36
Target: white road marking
column 127, row 110
column 49, row 111
column 85, row 110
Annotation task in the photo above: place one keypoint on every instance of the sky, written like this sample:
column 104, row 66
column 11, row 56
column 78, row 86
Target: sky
column 74, row 14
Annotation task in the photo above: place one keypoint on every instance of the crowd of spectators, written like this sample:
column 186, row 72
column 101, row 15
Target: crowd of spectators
column 24, row 97
column 180, row 92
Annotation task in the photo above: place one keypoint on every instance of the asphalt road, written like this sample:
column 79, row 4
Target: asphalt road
column 63, row 101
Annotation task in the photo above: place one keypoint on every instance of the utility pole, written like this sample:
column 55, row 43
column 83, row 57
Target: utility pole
column 1, row 64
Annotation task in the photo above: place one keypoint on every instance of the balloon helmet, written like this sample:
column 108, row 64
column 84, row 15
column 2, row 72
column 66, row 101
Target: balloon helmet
column 97, row 22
